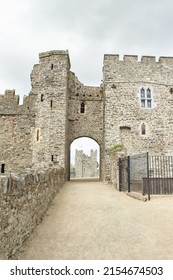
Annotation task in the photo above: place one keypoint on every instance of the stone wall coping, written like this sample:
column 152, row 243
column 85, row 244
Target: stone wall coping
column 53, row 52
column 29, row 175
column 43, row 55
column 138, row 59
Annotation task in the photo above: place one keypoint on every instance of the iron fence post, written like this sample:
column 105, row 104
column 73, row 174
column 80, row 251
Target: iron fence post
column 148, row 179
column 120, row 174
column 128, row 174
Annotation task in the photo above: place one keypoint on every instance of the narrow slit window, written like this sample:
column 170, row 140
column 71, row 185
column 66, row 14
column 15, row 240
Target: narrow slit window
column 3, row 168
column 51, row 104
column 42, row 97
column 38, row 135
column 52, row 157
column 51, row 66
column 143, row 129
column 82, row 107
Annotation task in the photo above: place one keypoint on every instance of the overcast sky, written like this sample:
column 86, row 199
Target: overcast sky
column 88, row 29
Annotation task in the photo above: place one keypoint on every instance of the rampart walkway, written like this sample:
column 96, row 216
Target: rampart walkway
column 91, row 220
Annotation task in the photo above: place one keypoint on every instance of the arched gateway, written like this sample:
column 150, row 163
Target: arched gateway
column 85, row 115
column 66, row 110
column 84, row 158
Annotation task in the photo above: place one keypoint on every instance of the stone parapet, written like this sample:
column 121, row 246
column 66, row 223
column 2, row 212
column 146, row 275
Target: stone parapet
column 132, row 68
column 24, row 200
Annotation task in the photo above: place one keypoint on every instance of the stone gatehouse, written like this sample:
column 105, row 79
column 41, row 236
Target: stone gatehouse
column 133, row 106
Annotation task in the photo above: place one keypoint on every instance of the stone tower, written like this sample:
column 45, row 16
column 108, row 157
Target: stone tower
column 50, row 84
column 86, row 166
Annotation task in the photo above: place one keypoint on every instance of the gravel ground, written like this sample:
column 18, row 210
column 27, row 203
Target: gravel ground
column 93, row 221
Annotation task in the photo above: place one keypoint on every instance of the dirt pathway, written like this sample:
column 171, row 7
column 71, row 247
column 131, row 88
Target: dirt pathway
column 91, row 220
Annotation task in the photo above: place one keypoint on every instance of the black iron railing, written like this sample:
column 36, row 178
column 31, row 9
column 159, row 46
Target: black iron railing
column 146, row 174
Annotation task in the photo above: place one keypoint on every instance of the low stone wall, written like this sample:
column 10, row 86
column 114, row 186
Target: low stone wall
column 24, row 200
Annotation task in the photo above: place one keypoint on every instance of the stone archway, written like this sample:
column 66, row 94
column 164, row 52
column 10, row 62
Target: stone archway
column 85, row 115
column 100, row 157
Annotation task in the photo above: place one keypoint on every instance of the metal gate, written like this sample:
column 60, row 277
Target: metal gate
column 146, row 174
column 134, row 174
column 124, row 174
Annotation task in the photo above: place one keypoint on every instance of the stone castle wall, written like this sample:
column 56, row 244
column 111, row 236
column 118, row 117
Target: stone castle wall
column 86, row 166
column 124, row 116
column 24, row 199
column 16, row 129
column 39, row 132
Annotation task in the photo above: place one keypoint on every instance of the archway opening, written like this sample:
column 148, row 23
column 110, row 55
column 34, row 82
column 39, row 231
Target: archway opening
column 84, row 159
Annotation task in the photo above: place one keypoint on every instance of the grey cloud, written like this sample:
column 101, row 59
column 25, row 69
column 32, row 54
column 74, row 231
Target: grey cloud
column 87, row 28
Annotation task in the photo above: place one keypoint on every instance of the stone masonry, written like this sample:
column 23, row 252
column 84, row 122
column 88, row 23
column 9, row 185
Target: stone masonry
column 126, row 84
column 133, row 106
column 86, row 166
column 24, row 199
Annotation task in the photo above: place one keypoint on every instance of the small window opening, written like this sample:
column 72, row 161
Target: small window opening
column 82, row 107
column 143, row 129
column 51, row 66
column 42, row 97
column 3, row 168
column 52, row 157
column 38, row 135
column 51, row 103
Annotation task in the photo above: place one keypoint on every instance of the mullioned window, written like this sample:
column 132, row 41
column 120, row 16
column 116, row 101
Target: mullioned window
column 146, row 100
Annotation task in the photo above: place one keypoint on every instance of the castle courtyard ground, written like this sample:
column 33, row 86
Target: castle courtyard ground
column 91, row 220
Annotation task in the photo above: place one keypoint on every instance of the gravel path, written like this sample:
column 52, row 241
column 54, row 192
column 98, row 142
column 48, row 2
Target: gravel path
column 91, row 220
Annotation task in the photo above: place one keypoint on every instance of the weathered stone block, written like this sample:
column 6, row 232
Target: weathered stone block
column 23, row 207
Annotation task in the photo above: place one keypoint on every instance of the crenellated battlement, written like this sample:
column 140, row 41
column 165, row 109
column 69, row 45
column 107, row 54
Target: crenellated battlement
column 138, row 59
column 10, row 103
column 148, row 59
column 132, row 68
column 10, row 95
